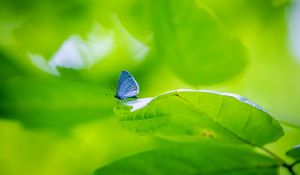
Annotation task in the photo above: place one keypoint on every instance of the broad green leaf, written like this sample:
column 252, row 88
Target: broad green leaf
column 294, row 152
column 194, row 158
column 53, row 103
column 200, row 115
column 194, row 44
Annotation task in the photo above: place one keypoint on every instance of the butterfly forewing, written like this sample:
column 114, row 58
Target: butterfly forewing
column 127, row 86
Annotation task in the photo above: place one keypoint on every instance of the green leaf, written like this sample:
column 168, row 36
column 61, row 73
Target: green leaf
column 53, row 103
column 193, row 158
column 210, row 133
column 194, row 44
column 200, row 115
column 294, row 152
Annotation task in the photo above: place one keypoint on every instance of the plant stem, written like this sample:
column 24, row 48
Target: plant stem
column 290, row 168
column 274, row 155
column 296, row 162
column 283, row 163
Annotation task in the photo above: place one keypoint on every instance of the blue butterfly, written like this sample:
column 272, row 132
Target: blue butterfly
column 127, row 86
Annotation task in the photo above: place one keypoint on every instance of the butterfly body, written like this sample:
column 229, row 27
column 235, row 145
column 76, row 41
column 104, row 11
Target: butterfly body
column 127, row 86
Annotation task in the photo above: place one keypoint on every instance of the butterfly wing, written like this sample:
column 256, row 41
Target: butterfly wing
column 127, row 86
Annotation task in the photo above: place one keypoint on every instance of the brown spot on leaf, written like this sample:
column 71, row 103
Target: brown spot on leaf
column 207, row 133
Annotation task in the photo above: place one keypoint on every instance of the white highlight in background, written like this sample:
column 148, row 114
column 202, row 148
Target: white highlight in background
column 293, row 20
column 78, row 53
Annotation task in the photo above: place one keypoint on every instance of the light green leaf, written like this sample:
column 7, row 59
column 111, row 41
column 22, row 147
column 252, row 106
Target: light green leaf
column 200, row 115
column 294, row 152
column 193, row 158
column 194, row 44
column 210, row 133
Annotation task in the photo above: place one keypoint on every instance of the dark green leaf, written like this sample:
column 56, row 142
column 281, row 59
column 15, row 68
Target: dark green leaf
column 193, row 158
column 294, row 152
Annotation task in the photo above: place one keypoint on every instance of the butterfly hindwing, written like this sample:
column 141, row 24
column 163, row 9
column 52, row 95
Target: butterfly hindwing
column 127, row 86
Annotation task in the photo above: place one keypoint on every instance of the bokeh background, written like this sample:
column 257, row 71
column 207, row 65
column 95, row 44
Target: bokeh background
column 60, row 61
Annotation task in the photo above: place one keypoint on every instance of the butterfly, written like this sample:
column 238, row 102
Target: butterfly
column 127, row 86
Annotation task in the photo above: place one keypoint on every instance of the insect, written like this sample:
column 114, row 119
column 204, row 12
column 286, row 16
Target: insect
column 127, row 86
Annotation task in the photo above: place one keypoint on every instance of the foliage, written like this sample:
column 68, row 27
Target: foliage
column 59, row 59
column 211, row 123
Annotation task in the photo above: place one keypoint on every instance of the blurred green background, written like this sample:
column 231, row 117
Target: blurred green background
column 59, row 59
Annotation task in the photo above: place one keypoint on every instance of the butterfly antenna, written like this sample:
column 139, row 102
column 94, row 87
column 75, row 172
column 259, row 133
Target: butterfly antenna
column 112, row 88
column 112, row 91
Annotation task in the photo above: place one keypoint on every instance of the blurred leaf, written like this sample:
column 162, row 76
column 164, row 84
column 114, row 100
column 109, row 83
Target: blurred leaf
column 8, row 67
column 194, row 158
column 194, row 44
column 251, row 12
column 294, row 152
column 53, row 103
column 197, row 115
column 79, row 152
column 44, row 33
